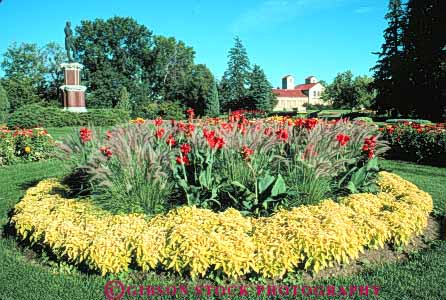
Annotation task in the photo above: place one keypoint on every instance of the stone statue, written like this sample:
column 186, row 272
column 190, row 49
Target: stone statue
column 69, row 43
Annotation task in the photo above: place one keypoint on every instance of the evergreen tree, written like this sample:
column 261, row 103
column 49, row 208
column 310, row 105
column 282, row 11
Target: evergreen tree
column 213, row 103
column 235, row 81
column 4, row 105
column 389, row 68
column 124, row 100
column 199, row 88
column 260, row 91
column 425, row 55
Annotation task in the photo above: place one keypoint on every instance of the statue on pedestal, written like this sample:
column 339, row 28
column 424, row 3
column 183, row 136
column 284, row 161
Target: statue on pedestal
column 69, row 43
column 72, row 91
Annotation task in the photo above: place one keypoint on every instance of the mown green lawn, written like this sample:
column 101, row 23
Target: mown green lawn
column 25, row 277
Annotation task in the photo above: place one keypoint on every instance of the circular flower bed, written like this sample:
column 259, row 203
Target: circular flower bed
column 196, row 241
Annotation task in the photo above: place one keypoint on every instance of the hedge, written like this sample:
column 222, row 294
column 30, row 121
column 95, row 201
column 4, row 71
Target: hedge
column 35, row 115
column 196, row 241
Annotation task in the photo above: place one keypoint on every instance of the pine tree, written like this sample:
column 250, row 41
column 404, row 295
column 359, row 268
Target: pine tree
column 213, row 103
column 389, row 69
column 235, row 81
column 425, row 55
column 4, row 105
column 124, row 100
column 260, row 91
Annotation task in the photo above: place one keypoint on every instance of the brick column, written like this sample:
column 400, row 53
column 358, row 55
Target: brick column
column 73, row 93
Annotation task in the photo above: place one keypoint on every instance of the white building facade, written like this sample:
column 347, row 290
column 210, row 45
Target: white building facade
column 293, row 98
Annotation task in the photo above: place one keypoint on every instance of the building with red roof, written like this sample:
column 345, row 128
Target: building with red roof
column 294, row 98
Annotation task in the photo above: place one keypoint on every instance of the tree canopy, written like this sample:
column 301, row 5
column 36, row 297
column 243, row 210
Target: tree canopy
column 347, row 91
column 410, row 75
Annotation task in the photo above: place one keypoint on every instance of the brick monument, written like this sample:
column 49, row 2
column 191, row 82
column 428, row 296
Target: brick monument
column 73, row 93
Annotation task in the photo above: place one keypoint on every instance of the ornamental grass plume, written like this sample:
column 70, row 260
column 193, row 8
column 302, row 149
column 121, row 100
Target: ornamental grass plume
column 136, row 177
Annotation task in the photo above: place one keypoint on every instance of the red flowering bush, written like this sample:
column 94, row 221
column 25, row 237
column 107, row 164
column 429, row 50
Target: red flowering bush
column 255, row 166
column 25, row 145
column 416, row 142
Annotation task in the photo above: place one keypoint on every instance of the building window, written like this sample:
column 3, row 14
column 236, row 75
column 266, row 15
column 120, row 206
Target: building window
column 314, row 93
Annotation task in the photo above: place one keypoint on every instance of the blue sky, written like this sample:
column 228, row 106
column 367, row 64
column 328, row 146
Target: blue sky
column 298, row 37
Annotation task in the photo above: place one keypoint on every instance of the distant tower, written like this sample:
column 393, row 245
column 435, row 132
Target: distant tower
column 288, row 82
column 310, row 79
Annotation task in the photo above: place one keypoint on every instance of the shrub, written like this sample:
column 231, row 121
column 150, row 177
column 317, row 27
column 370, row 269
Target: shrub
column 393, row 121
column 35, row 115
column 363, row 119
column 167, row 110
column 24, row 145
column 4, row 105
column 196, row 242
column 417, row 142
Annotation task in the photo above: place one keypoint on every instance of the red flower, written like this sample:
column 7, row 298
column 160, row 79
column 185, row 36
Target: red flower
column 299, row 122
column 208, row 134
column 227, row 126
column 158, row 122
column 106, row 151
column 268, row 131
column 246, row 152
column 170, row 140
column 390, row 130
column 369, row 146
column 85, row 135
column 190, row 113
column 182, row 160
column 159, row 133
column 108, row 134
column 282, row 134
column 185, row 149
column 310, row 123
column 181, row 126
column 242, row 128
column 190, row 128
column 342, row 139
column 172, row 122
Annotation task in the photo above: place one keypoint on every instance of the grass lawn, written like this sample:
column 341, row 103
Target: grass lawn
column 430, row 179
column 58, row 132
column 423, row 276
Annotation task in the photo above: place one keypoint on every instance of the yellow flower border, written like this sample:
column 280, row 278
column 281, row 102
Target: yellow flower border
column 194, row 241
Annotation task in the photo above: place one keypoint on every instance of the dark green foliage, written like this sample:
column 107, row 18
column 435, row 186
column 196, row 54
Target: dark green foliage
column 410, row 74
column 349, row 92
column 362, row 179
column 114, row 53
column 19, row 91
column 170, row 68
column 387, row 76
column 235, row 82
column 35, row 115
column 166, row 110
column 124, row 100
column 199, row 91
column 260, row 91
column 4, row 105
column 413, row 142
column 32, row 73
column 213, row 102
